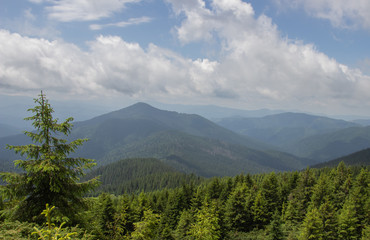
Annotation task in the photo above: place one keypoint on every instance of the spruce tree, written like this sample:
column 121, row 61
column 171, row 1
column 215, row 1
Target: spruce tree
column 48, row 174
column 237, row 215
column 348, row 222
column 207, row 224
column 312, row 226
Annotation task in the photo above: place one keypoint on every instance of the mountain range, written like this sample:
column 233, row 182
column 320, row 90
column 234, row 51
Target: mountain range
column 193, row 144
column 307, row 136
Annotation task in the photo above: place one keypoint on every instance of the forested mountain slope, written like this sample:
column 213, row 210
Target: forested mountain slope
column 284, row 129
column 134, row 117
column 329, row 146
column 360, row 158
column 187, row 142
column 136, row 175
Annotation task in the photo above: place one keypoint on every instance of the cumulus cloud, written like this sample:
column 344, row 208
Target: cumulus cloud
column 258, row 64
column 256, row 67
column 85, row 10
column 131, row 21
column 110, row 66
column 340, row 13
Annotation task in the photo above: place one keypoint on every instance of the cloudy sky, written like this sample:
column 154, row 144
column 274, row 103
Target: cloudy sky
column 306, row 55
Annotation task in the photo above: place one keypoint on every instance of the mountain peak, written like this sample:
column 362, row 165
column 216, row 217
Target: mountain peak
column 141, row 106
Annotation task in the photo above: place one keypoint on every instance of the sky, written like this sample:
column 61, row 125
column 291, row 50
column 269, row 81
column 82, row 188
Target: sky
column 296, row 55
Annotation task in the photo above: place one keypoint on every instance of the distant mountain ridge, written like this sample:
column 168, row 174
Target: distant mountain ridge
column 360, row 158
column 187, row 142
column 285, row 128
column 169, row 120
column 302, row 134
column 332, row 145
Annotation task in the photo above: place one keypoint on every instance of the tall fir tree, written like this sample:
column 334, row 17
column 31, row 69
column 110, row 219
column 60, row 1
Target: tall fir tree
column 207, row 225
column 48, row 175
column 312, row 226
column 348, row 222
column 238, row 217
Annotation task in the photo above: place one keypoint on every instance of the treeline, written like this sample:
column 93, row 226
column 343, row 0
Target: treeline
column 329, row 203
column 312, row 204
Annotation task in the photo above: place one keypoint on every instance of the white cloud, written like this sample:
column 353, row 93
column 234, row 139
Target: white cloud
column 85, row 10
column 340, row 13
column 110, row 66
column 33, row 64
column 131, row 21
column 257, row 67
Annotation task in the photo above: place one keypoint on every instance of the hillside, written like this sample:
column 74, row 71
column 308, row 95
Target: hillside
column 187, row 142
column 141, row 114
column 284, row 129
column 136, row 175
column 206, row 157
column 361, row 158
column 328, row 146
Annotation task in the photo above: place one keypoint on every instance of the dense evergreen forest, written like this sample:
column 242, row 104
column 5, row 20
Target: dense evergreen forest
column 139, row 174
column 328, row 203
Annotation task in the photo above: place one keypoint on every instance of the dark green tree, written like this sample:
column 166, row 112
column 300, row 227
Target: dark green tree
column 207, row 223
column 348, row 222
column 275, row 231
column 312, row 226
column 329, row 220
column 238, row 217
column 48, row 175
column 147, row 228
column 186, row 219
column 106, row 221
column 361, row 197
column 299, row 198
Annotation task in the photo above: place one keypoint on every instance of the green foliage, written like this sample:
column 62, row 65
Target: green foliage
column 207, row 223
column 10, row 230
column 348, row 222
column 51, row 232
column 238, row 216
column 49, row 175
column 360, row 158
column 186, row 220
column 275, row 231
column 146, row 229
column 139, row 174
column 312, row 226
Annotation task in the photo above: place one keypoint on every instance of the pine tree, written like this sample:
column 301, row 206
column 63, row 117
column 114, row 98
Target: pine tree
column 312, row 226
column 184, row 225
column 361, row 197
column 329, row 220
column 299, row 198
column 147, row 228
column 237, row 215
column 348, row 222
column 260, row 209
column 207, row 225
column 107, row 216
column 49, row 174
column 275, row 231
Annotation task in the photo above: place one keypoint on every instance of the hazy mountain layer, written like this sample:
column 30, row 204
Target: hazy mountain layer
column 360, row 158
column 187, row 142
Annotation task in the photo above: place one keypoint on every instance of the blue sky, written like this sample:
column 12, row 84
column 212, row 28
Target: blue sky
column 306, row 55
